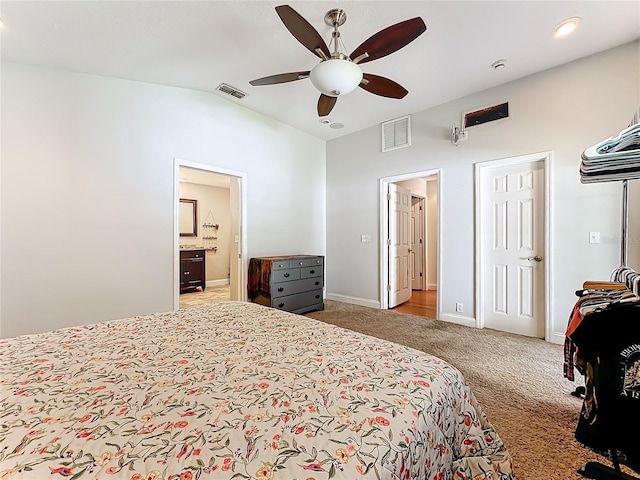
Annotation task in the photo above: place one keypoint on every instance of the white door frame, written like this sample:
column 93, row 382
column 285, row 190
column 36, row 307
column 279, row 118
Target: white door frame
column 481, row 170
column 242, row 277
column 384, row 231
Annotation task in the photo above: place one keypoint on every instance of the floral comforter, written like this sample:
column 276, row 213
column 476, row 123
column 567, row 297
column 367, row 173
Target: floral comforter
column 235, row 391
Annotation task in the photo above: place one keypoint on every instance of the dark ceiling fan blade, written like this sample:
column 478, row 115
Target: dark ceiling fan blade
column 302, row 30
column 325, row 104
column 382, row 86
column 390, row 39
column 280, row 78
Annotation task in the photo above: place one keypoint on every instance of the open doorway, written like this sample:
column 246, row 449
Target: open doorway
column 217, row 241
column 410, row 238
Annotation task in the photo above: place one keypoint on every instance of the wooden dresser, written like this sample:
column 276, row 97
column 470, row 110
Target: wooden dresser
column 192, row 269
column 293, row 283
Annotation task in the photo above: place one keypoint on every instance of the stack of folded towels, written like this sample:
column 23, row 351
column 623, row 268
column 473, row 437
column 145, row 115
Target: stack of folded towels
column 617, row 158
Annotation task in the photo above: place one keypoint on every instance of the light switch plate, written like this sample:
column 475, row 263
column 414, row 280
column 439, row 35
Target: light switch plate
column 594, row 237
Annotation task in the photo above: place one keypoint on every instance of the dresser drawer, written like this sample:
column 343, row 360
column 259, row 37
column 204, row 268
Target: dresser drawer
column 299, row 262
column 309, row 272
column 298, row 300
column 191, row 254
column 289, row 288
column 286, row 275
column 280, row 264
column 317, row 261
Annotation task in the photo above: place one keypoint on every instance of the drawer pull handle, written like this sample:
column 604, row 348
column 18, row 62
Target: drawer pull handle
column 312, row 272
column 280, row 305
column 286, row 275
column 317, row 296
column 281, row 289
column 300, row 263
column 281, row 265
column 317, row 283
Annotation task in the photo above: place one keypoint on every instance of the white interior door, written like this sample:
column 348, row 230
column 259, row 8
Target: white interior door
column 513, row 248
column 399, row 243
column 417, row 243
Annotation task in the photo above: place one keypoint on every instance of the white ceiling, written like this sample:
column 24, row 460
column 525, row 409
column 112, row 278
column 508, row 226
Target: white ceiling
column 201, row 44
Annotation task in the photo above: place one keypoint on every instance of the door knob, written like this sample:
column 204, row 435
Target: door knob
column 537, row 258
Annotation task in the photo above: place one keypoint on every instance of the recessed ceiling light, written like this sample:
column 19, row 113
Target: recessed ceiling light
column 336, row 126
column 567, row 27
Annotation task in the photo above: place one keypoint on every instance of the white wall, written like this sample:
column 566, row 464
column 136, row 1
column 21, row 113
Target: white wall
column 87, row 191
column 565, row 110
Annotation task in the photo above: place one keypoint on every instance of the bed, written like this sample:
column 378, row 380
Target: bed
column 236, row 390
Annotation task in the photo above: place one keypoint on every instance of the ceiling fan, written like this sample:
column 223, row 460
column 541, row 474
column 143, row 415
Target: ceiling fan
column 338, row 73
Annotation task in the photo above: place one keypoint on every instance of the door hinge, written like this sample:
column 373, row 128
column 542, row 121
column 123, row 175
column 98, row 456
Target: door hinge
column 420, row 240
column 388, row 196
column 388, row 241
column 420, row 207
column 388, row 288
column 420, row 273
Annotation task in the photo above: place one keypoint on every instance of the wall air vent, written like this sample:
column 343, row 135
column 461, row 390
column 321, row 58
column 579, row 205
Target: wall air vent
column 485, row 115
column 396, row 133
column 229, row 90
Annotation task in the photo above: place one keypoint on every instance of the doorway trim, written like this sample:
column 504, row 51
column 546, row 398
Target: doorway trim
column 384, row 231
column 242, row 176
column 481, row 170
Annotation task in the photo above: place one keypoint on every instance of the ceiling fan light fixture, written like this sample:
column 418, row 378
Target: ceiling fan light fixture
column 335, row 77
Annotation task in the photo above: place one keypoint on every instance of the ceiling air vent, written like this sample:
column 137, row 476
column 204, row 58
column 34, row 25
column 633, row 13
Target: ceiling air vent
column 229, row 90
column 396, row 133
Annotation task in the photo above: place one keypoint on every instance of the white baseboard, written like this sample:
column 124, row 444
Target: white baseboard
column 217, row 283
column 556, row 337
column 432, row 286
column 458, row 319
column 363, row 302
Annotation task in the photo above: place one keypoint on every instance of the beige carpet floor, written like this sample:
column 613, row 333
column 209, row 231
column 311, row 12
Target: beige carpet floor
column 517, row 380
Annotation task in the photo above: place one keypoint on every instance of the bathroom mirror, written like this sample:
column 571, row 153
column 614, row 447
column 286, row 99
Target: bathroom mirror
column 188, row 218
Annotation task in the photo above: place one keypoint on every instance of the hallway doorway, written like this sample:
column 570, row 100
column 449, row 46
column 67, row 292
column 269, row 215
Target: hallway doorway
column 423, row 299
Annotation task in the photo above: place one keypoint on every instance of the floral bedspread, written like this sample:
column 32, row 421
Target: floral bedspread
column 235, row 391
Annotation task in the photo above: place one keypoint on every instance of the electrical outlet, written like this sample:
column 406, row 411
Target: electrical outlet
column 459, row 308
column 365, row 238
